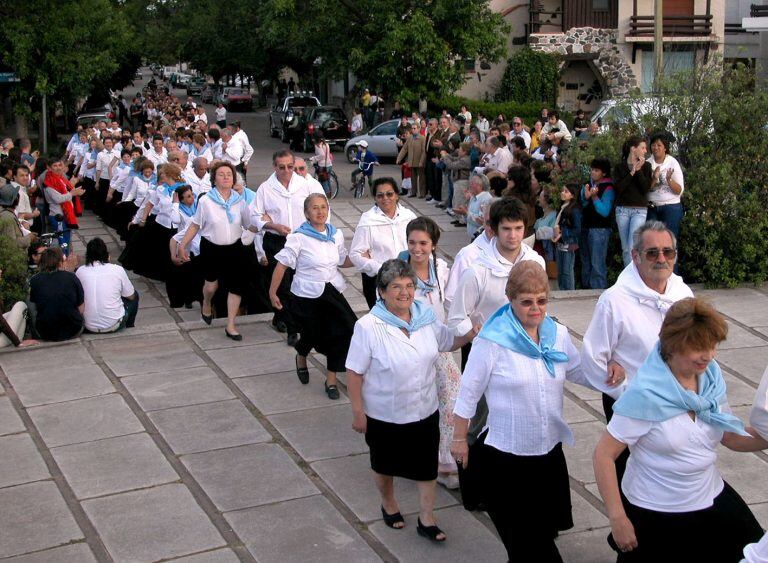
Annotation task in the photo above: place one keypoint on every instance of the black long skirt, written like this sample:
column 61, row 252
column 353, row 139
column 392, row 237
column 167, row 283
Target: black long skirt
column 122, row 214
column 326, row 324
column 184, row 283
column 149, row 253
column 718, row 533
column 223, row 263
column 256, row 298
column 131, row 255
column 404, row 450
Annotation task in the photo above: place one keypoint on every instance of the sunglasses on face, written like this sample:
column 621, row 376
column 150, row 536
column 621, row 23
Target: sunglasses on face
column 382, row 195
column 541, row 302
column 653, row 253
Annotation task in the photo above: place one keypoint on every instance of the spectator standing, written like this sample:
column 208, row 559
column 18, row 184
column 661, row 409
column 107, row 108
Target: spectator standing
column 567, row 236
column 597, row 199
column 632, row 180
column 667, row 186
column 414, row 154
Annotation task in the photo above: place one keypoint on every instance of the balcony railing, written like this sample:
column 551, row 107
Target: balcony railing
column 758, row 11
column 732, row 28
column 674, row 26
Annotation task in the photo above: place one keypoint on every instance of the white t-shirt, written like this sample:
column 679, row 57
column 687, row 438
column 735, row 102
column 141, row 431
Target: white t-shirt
column 103, row 287
column 661, row 193
column 399, row 380
column 316, row 263
column 672, row 466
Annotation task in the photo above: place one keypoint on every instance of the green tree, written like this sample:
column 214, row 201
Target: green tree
column 530, row 76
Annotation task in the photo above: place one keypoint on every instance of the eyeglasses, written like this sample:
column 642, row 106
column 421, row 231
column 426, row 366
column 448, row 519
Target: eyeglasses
column 541, row 302
column 285, row 167
column 382, row 195
column 301, row 168
column 653, row 253
column 517, row 123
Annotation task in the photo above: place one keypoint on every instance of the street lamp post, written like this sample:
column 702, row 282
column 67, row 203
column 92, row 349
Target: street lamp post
column 658, row 43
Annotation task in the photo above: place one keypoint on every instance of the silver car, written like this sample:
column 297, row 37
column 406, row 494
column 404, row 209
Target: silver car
column 381, row 141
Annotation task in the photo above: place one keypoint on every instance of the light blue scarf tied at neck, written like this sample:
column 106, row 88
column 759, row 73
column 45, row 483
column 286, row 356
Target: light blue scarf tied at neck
column 428, row 286
column 505, row 329
column 308, row 230
column 216, row 197
column 654, row 394
column 421, row 316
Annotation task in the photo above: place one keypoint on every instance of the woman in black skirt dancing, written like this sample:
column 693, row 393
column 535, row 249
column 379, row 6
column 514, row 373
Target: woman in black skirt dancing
column 316, row 252
column 392, row 386
column 185, row 281
column 520, row 362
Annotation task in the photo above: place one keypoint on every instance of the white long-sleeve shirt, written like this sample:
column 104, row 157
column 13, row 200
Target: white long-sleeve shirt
column 382, row 236
column 157, row 158
column 233, row 152
column 758, row 418
column 316, row 263
column 501, row 160
column 242, row 138
column 285, row 206
column 167, row 211
column 625, row 326
column 103, row 160
column 461, row 263
column 121, row 177
column 525, row 403
column 199, row 185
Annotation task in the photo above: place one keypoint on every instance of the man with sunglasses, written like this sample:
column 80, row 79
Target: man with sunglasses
column 627, row 319
column 518, row 130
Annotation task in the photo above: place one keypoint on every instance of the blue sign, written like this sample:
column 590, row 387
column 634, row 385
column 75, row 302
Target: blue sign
column 6, row 77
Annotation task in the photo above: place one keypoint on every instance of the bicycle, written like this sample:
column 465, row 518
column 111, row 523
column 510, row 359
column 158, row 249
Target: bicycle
column 333, row 181
column 358, row 187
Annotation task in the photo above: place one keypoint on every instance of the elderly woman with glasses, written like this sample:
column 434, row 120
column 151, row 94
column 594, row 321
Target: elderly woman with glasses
column 520, row 362
column 673, row 504
column 392, row 387
column 380, row 234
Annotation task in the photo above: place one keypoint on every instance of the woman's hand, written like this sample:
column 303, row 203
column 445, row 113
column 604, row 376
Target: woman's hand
column 623, row 533
column 359, row 422
column 275, row 300
column 616, row 374
column 183, row 255
column 460, row 452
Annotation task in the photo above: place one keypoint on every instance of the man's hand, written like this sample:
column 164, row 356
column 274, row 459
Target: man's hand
column 616, row 374
column 281, row 229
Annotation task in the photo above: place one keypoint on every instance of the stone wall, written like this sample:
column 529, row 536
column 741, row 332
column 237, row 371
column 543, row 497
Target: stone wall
column 601, row 44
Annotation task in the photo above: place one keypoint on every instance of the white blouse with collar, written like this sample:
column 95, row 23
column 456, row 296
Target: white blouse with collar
column 316, row 263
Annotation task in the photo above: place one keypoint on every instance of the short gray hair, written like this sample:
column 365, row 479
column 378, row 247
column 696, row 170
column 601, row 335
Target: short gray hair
column 393, row 269
column 483, row 179
column 312, row 196
column 650, row 226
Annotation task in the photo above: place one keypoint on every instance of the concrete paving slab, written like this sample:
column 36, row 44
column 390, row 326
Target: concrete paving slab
column 317, row 532
column 320, row 433
column 743, row 471
column 574, row 413
column 574, row 313
column 750, row 365
column 746, row 305
column 21, row 361
column 216, row 556
column 10, row 423
column 589, row 546
column 147, row 300
column 351, row 478
column 84, row 420
column 20, row 461
column 761, row 513
column 151, row 524
column 282, row 392
column 153, row 316
column 113, row 465
column 73, row 553
column 249, row 476
column 210, row 426
column 583, row 392
column 149, row 353
column 44, row 386
column 739, row 337
column 254, row 359
column 762, row 329
column 177, row 388
column 256, row 333
column 34, row 517
column 585, row 516
column 468, row 540
column 739, row 393
column 579, row 457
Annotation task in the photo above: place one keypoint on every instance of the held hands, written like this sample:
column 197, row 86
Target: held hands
column 183, row 254
column 275, row 300
column 616, row 374
column 460, row 452
column 359, row 422
column 623, row 533
column 281, row 229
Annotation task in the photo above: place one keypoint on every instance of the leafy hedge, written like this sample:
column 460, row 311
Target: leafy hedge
column 528, row 111
column 530, row 76
column 13, row 261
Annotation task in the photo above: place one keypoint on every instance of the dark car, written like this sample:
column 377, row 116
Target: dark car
column 329, row 121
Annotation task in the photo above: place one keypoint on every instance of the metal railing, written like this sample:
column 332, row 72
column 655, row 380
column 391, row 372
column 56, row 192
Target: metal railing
column 674, row 26
column 758, row 11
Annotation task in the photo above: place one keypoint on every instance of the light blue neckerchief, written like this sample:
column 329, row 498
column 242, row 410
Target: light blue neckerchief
column 170, row 188
column 421, row 316
column 188, row 210
column 426, row 287
column 308, row 230
column 234, row 198
column 248, row 195
column 654, row 394
column 505, row 329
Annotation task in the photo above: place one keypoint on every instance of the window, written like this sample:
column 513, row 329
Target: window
column 600, row 5
column 389, row 128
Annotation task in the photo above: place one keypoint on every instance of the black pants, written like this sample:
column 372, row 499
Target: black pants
column 369, row 290
column 273, row 244
column 621, row 461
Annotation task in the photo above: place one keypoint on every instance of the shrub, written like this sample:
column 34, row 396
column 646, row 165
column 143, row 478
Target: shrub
column 530, row 76
column 13, row 261
column 528, row 111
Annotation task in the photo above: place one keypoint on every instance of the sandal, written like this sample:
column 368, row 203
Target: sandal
column 303, row 373
column 392, row 519
column 430, row 532
column 332, row 391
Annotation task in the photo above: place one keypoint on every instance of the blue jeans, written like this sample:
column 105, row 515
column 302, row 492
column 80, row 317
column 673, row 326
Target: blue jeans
column 594, row 251
column 131, row 310
column 565, row 261
column 629, row 219
column 65, row 237
column 671, row 215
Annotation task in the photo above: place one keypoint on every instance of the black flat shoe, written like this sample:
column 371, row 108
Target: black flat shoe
column 235, row 337
column 303, row 373
column 293, row 339
column 430, row 532
column 332, row 391
column 206, row 318
column 279, row 326
column 392, row 520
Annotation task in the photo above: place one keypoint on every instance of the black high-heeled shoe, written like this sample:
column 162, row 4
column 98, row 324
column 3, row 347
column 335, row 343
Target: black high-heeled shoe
column 430, row 532
column 235, row 337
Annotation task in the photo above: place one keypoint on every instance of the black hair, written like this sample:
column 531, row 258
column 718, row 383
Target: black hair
column 602, row 164
column 124, row 152
column 427, row 225
column 663, row 137
column 157, row 137
column 518, row 142
column 498, row 185
column 17, row 167
column 214, row 134
column 96, row 251
column 509, row 208
column 630, row 143
column 553, row 113
column 566, row 216
column 381, row 181
column 521, row 177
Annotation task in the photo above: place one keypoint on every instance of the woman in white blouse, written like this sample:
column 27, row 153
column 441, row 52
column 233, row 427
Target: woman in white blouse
column 380, row 234
column 220, row 218
column 316, row 251
column 673, row 504
column 432, row 273
column 520, row 362
column 392, row 387
column 184, row 285
column 667, row 186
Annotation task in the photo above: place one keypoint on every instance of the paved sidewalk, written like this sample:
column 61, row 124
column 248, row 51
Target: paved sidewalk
column 170, row 441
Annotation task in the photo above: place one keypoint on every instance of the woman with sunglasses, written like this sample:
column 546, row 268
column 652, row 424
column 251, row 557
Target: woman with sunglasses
column 380, row 234
column 520, row 362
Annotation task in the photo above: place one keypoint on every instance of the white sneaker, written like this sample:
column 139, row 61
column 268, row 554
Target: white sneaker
column 450, row 212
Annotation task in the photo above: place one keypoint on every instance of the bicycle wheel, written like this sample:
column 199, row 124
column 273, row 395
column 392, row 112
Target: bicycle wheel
column 333, row 185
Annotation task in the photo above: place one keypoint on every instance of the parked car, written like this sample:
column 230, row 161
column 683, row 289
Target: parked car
column 209, row 94
column 330, row 121
column 182, row 79
column 289, row 108
column 381, row 141
column 138, row 75
column 195, row 86
column 236, row 98
column 91, row 113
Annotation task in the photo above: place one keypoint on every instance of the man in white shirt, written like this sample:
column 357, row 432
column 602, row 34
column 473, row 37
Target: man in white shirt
column 241, row 137
column 519, row 131
column 303, row 171
column 215, row 143
column 556, row 131
column 157, row 154
column 200, row 115
column 104, row 162
column 180, row 158
column 281, row 198
column 500, row 159
column 232, row 150
column 198, row 178
column 627, row 319
column 111, row 302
